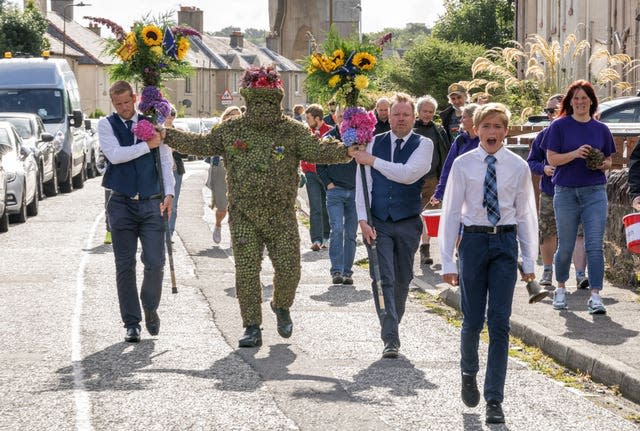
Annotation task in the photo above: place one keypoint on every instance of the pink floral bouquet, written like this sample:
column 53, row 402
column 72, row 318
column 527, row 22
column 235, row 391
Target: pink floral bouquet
column 357, row 126
column 261, row 77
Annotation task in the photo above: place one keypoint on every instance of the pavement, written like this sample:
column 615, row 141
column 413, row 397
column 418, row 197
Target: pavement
column 606, row 347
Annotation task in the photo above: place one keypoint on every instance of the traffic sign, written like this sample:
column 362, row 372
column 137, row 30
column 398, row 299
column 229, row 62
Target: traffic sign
column 226, row 98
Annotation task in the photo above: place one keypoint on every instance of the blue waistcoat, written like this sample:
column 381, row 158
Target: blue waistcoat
column 135, row 176
column 388, row 198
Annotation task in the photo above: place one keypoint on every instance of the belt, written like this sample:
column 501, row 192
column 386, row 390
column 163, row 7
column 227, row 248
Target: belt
column 490, row 229
column 137, row 197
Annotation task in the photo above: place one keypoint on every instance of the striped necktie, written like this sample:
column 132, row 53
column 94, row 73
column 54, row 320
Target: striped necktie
column 490, row 201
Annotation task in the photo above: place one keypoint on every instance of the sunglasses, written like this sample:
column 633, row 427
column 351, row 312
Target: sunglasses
column 549, row 110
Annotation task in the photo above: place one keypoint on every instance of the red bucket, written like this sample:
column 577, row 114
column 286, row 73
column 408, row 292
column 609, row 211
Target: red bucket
column 431, row 221
column 632, row 231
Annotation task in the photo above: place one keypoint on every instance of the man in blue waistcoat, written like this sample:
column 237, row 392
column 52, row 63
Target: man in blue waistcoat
column 396, row 164
column 135, row 209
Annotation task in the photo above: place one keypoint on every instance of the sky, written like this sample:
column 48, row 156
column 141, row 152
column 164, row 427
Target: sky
column 376, row 14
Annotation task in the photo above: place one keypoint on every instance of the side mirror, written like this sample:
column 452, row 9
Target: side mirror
column 46, row 137
column 24, row 152
column 75, row 119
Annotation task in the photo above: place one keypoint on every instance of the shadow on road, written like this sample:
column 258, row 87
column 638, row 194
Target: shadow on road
column 341, row 295
column 113, row 368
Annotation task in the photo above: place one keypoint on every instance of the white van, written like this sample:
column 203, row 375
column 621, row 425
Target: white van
column 48, row 87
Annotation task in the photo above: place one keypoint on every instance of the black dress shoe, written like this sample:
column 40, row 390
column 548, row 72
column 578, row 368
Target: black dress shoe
column 285, row 325
column 390, row 350
column 252, row 337
column 494, row 413
column 470, row 393
column 132, row 336
column 152, row 322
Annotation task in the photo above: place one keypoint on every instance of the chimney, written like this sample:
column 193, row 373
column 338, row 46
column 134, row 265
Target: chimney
column 191, row 16
column 236, row 40
column 60, row 7
column 94, row 28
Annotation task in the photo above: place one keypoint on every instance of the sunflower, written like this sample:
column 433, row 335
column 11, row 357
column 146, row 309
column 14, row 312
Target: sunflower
column 128, row 48
column 338, row 57
column 333, row 81
column 183, row 47
column 364, row 60
column 361, row 82
column 151, row 35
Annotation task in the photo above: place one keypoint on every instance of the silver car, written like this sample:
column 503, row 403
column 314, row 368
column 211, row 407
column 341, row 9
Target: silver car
column 4, row 212
column 22, row 175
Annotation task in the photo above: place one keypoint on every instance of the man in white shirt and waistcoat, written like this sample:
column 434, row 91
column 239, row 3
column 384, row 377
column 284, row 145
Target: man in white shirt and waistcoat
column 396, row 163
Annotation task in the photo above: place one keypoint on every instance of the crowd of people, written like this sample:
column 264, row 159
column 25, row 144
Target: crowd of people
column 489, row 220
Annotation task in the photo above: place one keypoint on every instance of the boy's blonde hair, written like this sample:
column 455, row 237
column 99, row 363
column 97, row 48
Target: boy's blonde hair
column 483, row 111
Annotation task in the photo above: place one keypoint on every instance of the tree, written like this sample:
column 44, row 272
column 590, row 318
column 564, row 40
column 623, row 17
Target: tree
column 485, row 22
column 432, row 65
column 22, row 31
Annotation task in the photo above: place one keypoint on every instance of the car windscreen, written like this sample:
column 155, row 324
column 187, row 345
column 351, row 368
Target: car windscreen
column 22, row 125
column 47, row 103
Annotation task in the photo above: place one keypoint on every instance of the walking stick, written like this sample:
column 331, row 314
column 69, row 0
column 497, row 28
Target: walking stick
column 374, row 250
column 165, row 218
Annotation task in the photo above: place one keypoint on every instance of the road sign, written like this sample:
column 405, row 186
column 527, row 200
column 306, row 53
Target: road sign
column 226, row 98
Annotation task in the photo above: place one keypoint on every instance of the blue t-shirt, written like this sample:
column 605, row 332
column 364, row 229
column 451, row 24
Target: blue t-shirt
column 565, row 135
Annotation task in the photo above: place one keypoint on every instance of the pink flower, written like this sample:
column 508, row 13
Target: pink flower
column 144, row 130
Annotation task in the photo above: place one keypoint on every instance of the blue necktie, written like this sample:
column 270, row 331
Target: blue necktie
column 490, row 201
column 129, row 124
column 396, row 151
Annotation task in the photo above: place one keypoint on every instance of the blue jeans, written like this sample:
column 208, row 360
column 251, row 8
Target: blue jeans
column 588, row 205
column 132, row 220
column 176, row 196
column 341, row 207
column 488, row 268
column 318, row 219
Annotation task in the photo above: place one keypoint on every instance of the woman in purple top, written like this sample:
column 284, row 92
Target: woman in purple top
column 466, row 141
column 580, row 193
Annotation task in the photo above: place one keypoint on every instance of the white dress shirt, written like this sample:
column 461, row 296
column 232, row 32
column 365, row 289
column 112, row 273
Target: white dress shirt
column 116, row 153
column 416, row 167
column 462, row 203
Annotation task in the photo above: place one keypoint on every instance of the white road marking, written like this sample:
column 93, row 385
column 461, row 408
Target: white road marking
column 80, row 394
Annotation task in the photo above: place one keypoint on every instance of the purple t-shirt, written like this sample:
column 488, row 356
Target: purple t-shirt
column 565, row 135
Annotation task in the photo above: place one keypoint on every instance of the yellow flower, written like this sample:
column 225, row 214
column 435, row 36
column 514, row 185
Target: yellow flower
column 151, row 35
column 334, row 80
column 338, row 57
column 128, row 48
column 156, row 51
column 183, row 47
column 364, row 60
column 361, row 82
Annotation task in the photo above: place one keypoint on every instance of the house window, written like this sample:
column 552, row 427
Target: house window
column 296, row 83
column 187, row 85
column 234, row 82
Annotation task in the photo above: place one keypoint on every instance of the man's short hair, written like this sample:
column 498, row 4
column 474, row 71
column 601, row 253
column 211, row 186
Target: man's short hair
column 426, row 99
column 383, row 100
column 487, row 109
column 315, row 110
column 120, row 87
column 403, row 97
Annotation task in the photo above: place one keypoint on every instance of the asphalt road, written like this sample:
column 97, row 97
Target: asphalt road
column 65, row 365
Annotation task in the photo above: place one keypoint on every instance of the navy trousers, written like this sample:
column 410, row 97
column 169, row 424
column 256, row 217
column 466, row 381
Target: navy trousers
column 131, row 220
column 488, row 269
column 397, row 244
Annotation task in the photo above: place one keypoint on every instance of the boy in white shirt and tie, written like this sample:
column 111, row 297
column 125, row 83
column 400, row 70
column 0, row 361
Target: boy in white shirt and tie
column 489, row 202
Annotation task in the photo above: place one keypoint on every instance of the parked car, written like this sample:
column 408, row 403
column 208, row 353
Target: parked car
column 32, row 131
column 4, row 211
column 22, row 175
column 194, row 125
column 92, row 148
column 209, row 122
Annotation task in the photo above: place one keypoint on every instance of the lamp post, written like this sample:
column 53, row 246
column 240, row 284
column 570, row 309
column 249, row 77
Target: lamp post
column 64, row 24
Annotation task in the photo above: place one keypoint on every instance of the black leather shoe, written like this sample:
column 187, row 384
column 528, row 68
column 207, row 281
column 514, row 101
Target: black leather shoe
column 390, row 350
column 132, row 336
column 494, row 413
column 285, row 325
column 252, row 337
column 152, row 322
column 470, row 393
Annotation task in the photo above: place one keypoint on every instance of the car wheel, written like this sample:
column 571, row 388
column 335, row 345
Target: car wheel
column 40, row 184
column 51, row 186
column 78, row 180
column 32, row 207
column 4, row 221
column 66, row 186
column 21, row 217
